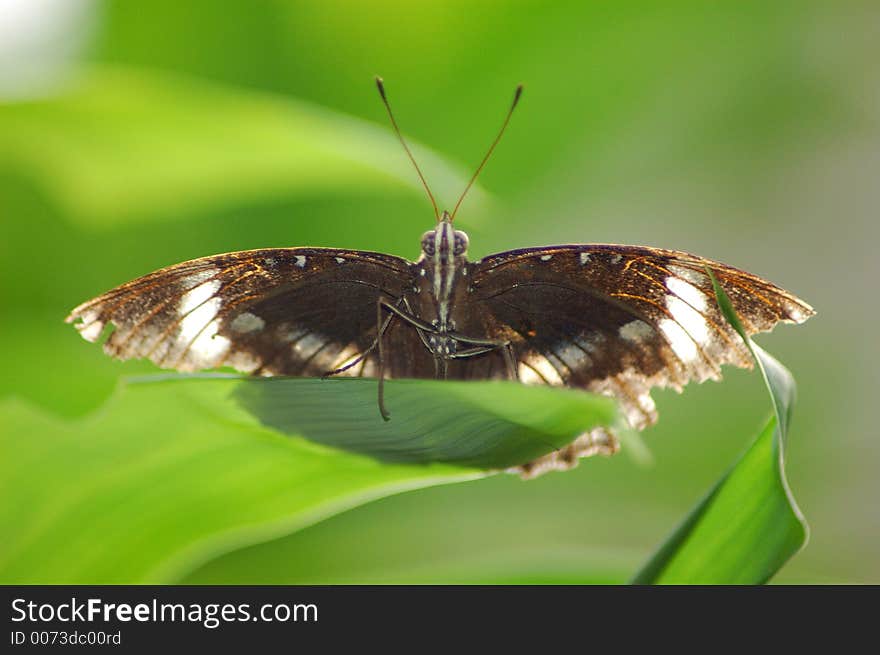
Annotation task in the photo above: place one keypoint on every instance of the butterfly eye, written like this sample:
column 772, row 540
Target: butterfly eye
column 428, row 243
column 461, row 243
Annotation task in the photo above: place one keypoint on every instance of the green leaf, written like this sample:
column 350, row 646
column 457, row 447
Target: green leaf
column 128, row 144
column 172, row 473
column 485, row 425
column 749, row 524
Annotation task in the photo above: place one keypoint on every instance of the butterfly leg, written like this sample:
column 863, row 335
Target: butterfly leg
column 470, row 352
column 510, row 361
column 420, row 332
column 488, row 345
column 357, row 360
column 385, row 305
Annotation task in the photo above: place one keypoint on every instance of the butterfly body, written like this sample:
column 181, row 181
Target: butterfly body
column 439, row 305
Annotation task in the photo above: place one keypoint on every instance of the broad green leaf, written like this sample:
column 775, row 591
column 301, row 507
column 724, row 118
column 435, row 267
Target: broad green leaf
column 484, row 425
column 126, row 143
column 749, row 524
column 173, row 472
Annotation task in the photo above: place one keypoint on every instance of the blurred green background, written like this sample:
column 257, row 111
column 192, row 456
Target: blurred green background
column 137, row 135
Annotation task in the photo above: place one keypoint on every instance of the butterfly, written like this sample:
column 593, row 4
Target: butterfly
column 611, row 319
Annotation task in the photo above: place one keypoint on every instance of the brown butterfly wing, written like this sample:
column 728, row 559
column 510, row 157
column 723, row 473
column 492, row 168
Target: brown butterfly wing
column 284, row 311
column 617, row 320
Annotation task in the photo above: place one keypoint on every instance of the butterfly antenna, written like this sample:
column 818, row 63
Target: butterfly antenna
column 516, row 96
column 381, row 85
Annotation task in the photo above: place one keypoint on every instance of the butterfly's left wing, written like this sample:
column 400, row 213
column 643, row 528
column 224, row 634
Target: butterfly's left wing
column 280, row 311
column 617, row 320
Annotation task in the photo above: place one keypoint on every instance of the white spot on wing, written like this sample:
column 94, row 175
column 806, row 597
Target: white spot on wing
column 340, row 260
column 300, row 260
column 91, row 331
column 585, row 257
column 635, row 331
column 537, row 369
column 692, row 276
column 307, row 346
column 546, row 258
column 290, row 334
column 591, row 343
column 689, row 319
column 198, row 307
column 209, row 346
column 797, row 314
column 687, row 292
column 527, row 375
column 199, row 293
column 202, row 276
column 329, row 354
column 247, row 322
column 683, row 346
column 571, row 354
column 615, row 259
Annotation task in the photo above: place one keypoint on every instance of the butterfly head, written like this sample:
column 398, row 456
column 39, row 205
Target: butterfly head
column 444, row 241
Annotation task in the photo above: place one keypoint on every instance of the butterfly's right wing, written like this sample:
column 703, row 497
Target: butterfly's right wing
column 618, row 320
column 281, row 311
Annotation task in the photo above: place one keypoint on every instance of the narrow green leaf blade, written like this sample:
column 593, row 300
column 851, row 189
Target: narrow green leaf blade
column 749, row 524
